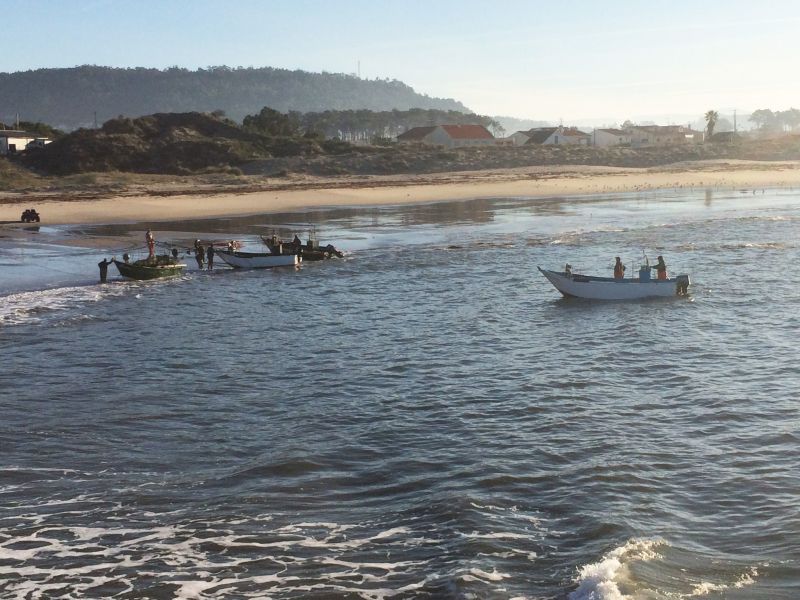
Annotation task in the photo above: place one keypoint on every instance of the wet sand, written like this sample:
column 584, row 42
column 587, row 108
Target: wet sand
column 165, row 203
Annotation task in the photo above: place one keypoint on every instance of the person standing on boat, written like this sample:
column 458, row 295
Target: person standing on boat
column 619, row 269
column 661, row 267
column 151, row 243
column 210, row 256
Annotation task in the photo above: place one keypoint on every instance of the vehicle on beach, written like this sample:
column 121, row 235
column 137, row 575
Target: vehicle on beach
column 257, row 260
column 150, row 268
column 30, row 216
column 609, row 288
column 310, row 251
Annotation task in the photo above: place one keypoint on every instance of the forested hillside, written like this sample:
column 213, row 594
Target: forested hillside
column 69, row 98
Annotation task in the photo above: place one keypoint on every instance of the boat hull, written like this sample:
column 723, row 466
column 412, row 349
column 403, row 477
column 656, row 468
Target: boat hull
column 605, row 288
column 257, row 260
column 140, row 271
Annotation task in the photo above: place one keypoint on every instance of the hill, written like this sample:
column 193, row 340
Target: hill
column 68, row 98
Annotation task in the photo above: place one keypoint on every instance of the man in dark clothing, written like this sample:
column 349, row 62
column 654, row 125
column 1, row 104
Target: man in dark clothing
column 210, row 256
column 103, row 264
column 199, row 254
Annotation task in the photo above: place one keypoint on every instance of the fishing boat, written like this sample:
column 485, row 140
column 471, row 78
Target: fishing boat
column 257, row 260
column 310, row 251
column 607, row 288
column 150, row 268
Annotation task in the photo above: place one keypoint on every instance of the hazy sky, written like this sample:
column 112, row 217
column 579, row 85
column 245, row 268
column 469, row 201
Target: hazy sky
column 605, row 59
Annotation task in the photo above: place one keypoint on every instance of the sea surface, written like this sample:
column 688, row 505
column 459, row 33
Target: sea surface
column 424, row 418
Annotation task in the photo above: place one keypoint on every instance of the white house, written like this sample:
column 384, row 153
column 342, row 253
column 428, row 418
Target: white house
column 554, row 136
column 12, row 141
column 520, row 138
column 449, row 136
column 602, row 138
column 663, row 135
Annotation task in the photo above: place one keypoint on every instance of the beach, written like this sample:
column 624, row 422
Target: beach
column 167, row 198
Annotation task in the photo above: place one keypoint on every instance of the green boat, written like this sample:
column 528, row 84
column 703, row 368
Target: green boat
column 150, row 268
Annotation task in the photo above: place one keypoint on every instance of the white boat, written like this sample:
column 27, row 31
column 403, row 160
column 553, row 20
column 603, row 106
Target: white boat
column 608, row 288
column 257, row 260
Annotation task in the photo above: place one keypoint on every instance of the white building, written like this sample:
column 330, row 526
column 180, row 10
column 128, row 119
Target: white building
column 603, row 138
column 12, row 141
column 551, row 136
column 449, row 136
column 663, row 135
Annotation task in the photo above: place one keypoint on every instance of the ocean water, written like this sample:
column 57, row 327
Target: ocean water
column 425, row 418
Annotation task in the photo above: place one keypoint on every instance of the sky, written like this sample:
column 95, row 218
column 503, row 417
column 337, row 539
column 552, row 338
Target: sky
column 573, row 60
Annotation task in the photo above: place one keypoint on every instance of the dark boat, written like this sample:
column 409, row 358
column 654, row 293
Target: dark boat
column 150, row 268
column 310, row 251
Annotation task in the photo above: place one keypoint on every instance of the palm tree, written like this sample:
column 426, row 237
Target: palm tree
column 711, row 118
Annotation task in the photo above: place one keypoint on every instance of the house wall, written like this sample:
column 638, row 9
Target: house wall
column 440, row 137
column 555, row 138
column 640, row 139
column 574, row 140
column 19, row 143
column 518, row 138
column 473, row 142
column 604, row 139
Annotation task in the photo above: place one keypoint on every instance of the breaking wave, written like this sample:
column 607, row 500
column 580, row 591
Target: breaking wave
column 602, row 580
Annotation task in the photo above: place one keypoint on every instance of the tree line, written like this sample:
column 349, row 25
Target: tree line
column 779, row 120
column 358, row 125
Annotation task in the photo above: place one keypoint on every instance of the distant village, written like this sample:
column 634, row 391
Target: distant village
column 635, row 136
column 457, row 136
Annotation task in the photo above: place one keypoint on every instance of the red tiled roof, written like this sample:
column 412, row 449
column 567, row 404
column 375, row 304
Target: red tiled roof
column 415, row 133
column 573, row 131
column 468, row 132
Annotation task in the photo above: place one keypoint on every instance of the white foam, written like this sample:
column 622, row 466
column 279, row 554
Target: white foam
column 706, row 587
column 599, row 581
column 30, row 307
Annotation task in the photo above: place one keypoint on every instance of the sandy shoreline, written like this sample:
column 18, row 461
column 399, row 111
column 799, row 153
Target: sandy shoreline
column 165, row 203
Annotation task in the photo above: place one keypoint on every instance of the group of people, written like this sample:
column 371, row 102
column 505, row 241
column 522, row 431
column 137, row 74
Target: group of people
column 207, row 254
column 660, row 267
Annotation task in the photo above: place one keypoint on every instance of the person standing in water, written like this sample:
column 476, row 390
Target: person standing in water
column 103, row 264
column 210, row 256
column 199, row 253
